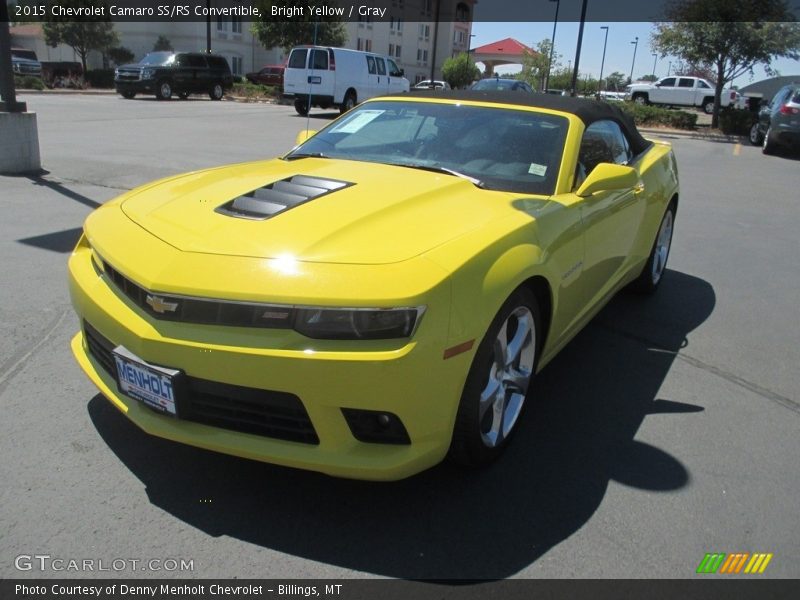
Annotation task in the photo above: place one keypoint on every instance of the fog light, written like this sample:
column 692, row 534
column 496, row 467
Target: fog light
column 376, row 427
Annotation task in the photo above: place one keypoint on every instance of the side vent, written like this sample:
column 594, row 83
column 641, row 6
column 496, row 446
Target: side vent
column 272, row 199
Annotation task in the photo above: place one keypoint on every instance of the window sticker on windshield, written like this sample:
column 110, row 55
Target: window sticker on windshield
column 358, row 121
column 537, row 169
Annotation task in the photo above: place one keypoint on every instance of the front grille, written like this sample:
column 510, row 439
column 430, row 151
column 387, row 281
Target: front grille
column 267, row 413
column 128, row 75
column 200, row 311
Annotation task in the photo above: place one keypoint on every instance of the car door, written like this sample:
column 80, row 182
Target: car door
column 685, row 91
column 320, row 76
column 397, row 83
column 383, row 76
column 611, row 219
column 182, row 73
column 663, row 90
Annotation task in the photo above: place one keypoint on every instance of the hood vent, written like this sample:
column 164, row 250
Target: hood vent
column 272, row 199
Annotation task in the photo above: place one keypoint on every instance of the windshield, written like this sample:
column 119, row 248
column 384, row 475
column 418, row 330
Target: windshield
column 503, row 149
column 494, row 84
column 158, row 58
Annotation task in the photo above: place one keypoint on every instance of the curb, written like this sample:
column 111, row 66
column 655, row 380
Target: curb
column 67, row 92
column 692, row 135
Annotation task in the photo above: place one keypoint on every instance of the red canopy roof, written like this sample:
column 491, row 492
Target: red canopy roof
column 508, row 46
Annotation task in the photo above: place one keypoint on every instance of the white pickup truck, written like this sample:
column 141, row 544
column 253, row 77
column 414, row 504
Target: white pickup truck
column 678, row 91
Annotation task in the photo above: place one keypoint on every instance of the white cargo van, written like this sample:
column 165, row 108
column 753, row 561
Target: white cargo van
column 325, row 77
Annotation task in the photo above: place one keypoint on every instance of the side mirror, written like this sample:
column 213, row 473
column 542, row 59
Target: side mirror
column 402, row 73
column 657, row 84
column 303, row 136
column 607, row 177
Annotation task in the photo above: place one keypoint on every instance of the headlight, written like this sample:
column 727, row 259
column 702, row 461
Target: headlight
column 148, row 73
column 357, row 323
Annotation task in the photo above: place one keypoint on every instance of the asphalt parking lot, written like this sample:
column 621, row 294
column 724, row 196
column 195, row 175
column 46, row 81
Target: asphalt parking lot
column 667, row 429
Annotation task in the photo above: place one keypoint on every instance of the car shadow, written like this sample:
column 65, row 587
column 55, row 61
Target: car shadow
column 452, row 523
column 323, row 116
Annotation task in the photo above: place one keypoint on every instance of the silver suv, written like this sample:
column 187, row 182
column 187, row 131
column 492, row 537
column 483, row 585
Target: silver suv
column 779, row 121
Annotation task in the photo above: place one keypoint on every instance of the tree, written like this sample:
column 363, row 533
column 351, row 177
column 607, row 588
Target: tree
column 91, row 33
column 120, row 55
column 705, row 70
column 460, row 71
column 616, row 81
column 733, row 37
column 163, row 44
column 648, row 77
column 300, row 29
column 535, row 65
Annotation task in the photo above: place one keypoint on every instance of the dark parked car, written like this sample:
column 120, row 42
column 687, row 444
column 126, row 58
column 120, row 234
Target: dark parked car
column 25, row 62
column 496, row 83
column 181, row 73
column 269, row 75
column 779, row 121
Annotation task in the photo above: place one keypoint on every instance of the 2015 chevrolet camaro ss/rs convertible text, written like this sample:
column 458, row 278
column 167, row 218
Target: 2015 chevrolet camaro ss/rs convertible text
column 380, row 297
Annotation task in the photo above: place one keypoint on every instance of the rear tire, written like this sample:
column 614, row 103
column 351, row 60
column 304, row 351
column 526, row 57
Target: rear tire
column 302, row 106
column 348, row 103
column 183, row 95
column 769, row 146
column 708, row 106
column 653, row 272
column 498, row 382
column 216, row 92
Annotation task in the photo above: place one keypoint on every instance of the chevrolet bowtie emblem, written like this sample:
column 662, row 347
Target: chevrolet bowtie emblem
column 159, row 305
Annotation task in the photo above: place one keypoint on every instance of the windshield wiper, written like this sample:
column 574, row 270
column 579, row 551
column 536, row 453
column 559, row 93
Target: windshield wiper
column 306, row 155
column 438, row 169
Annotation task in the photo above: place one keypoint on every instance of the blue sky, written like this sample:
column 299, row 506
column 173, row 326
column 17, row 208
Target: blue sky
column 619, row 53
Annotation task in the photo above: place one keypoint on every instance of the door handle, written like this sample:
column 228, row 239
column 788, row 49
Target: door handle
column 638, row 188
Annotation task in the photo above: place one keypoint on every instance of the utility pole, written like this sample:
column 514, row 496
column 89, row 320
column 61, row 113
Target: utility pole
column 574, row 85
column 635, row 46
column 552, row 47
column 603, row 61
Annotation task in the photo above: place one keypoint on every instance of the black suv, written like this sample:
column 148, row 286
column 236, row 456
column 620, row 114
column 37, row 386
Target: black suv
column 181, row 73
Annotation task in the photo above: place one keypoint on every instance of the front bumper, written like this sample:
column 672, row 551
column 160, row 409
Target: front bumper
column 138, row 87
column 407, row 378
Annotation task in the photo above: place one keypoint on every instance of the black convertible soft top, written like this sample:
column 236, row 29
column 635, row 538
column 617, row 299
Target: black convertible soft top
column 586, row 110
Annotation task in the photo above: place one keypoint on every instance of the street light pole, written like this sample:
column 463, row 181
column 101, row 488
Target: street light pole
column 574, row 86
column 655, row 60
column 603, row 61
column 552, row 47
column 635, row 47
column 669, row 68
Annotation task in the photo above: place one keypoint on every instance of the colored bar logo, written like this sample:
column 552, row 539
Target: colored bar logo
column 733, row 564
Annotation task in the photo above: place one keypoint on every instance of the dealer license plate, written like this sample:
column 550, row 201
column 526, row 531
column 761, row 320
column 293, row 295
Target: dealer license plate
column 149, row 384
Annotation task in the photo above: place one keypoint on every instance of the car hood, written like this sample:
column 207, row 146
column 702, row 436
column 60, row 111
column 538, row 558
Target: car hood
column 384, row 214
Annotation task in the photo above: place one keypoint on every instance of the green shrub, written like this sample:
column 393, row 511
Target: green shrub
column 29, row 82
column 100, row 78
column 734, row 121
column 655, row 115
column 255, row 91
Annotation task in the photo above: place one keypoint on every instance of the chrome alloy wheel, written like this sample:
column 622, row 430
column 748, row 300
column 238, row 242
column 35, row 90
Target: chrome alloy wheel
column 511, row 369
column 661, row 251
column 165, row 90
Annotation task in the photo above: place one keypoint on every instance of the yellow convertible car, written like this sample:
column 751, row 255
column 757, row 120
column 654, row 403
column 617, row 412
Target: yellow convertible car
column 380, row 297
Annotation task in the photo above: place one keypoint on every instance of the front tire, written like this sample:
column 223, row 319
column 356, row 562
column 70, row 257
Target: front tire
column 498, row 382
column 128, row 95
column 756, row 137
column 216, row 92
column 164, row 90
column 653, row 272
column 641, row 99
column 769, row 146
